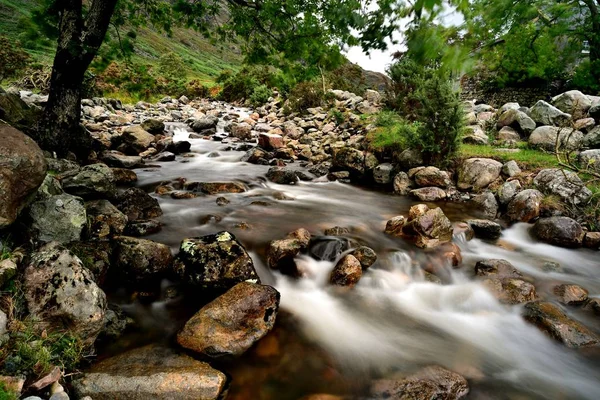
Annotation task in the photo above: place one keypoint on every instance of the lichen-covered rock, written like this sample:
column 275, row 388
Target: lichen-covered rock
column 572, row 102
column 508, row 191
column 214, row 261
column 136, row 139
column 349, row 159
column 510, row 169
column 62, row 294
column 429, row 383
column 552, row 320
column 151, row 372
column 478, row 173
column 592, row 240
column 590, row 159
column 366, row 256
column 233, row 322
column 137, row 204
column 60, row 218
column 124, row 176
column 153, row 126
column 22, row 171
column 474, row 134
column 92, row 181
column 485, row 204
column 117, row 159
column 141, row 260
column 347, row 272
column 563, row 183
column 402, row 184
column 104, row 219
column 525, row 206
column 559, row 231
column 382, row 174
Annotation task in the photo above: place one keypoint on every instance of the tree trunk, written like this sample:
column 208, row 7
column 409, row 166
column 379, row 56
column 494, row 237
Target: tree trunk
column 59, row 130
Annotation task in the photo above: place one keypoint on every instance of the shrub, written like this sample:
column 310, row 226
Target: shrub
column 306, row 95
column 337, row 115
column 393, row 134
column 13, row 59
column 583, row 80
column 195, row 88
column 260, row 95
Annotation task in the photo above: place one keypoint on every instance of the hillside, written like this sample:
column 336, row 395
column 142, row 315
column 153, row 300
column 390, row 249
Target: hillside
column 205, row 60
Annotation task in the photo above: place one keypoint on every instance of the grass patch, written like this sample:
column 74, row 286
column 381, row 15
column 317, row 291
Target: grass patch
column 526, row 158
column 6, row 394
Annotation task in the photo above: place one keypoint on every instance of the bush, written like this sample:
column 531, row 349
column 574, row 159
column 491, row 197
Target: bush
column 260, row 95
column 306, row 95
column 13, row 59
column 583, row 80
column 195, row 88
column 393, row 134
column 431, row 118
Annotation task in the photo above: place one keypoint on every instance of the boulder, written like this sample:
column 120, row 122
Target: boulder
column 92, row 181
column 572, row 295
column 485, row 203
column 544, row 138
column 590, row 159
column 214, row 261
column 517, row 120
column 511, row 290
column 347, row 272
column 350, row 159
column 426, row 228
column 508, row 134
column 572, row 102
column 382, row 174
column 124, row 176
column 153, row 126
column 508, row 191
column 137, row 139
column 137, row 204
column 409, row 158
column 233, row 322
column 402, row 184
column 203, row 124
column 474, row 134
column 269, row 141
column 60, row 218
column 510, row 169
column 291, row 130
column 485, row 229
column 215, row 187
column 61, row 293
column 282, row 175
column 525, row 206
column 478, row 173
column 104, row 219
column 432, row 382
column 546, row 114
column 254, row 155
column 281, row 253
column 429, row 194
column 140, row 260
column 584, row 125
column 592, row 139
column 22, row 171
column 594, row 112
column 592, row 240
column 366, row 256
column 117, row 159
column 552, row 320
column 496, row 268
column 151, row 372
column 563, row 183
column 142, row 227
column 432, row 176
column 559, row 231
column 241, row 131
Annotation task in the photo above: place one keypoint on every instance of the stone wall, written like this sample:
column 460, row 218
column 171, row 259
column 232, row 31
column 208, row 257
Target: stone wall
column 471, row 89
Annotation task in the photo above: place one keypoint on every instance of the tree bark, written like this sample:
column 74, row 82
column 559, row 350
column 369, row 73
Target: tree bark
column 59, row 129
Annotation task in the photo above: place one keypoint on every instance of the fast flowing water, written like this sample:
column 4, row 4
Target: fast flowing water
column 394, row 320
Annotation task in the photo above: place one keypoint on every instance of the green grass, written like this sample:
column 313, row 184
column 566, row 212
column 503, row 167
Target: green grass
column 526, row 158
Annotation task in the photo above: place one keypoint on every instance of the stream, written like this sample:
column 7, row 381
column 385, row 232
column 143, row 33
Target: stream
column 330, row 340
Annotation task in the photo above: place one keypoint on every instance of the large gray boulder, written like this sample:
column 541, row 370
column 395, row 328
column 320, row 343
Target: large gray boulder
column 517, row 120
column 478, row 173
column 572, row 102
column 525, row 206
column 60, row 218
column 559, row 231
column 92, row 181
column 22, row 171
column 545, row 137
column 62, row 294
column 592, row 139
column 563, row 183
column 232, row 323
column 136, row 139
column 546, row 114
column 214, row 261
column 203, row 124
column 151, row 372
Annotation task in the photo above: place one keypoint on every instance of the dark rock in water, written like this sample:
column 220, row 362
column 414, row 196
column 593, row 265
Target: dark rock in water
column 232, row 323
column 349, row 159
column 214, row 261
column 104, row 219
column 140, row 260
column 22, row 171
column 151, row 372
column 281, row 253
column 366, row 256
column 485, row 229
column 179, row 147
column 525, row 206
column 328, row 248
column 115, row 324
column 165, row 156
column 255, row 155
column 428, row 383
column 341, row 176
column 511, row 290
column 559, row 231
column 347, row 272
column 119, row 160
column 496, row 268
column 282, row 176
column 222, row 201
column 425, row 227
column 142, row 227
column 154, row 126
column 209, row 122
column 137, row 204
column 552, row 320
column 124, row 176
column 572, row 295
column 62, row 294
column 215, row 187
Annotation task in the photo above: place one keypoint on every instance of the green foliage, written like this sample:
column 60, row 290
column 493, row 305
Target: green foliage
column 582, row 78
column 7, row 394
column 394, row 133
column 244, row 84
column 13, row 59
column 337, row 115
column 260, row 95
column 172, row 66
column 306, row 95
